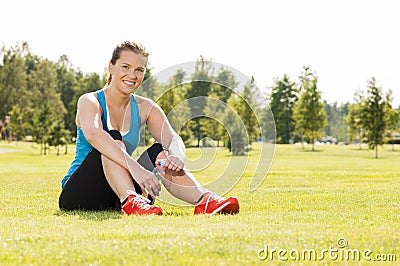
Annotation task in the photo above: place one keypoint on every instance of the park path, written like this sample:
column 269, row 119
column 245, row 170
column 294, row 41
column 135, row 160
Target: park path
column 6, row 150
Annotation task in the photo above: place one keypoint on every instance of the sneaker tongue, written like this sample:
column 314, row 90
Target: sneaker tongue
column 143, row 199
column 139, row 197
column 209, row 196
column 214, row 196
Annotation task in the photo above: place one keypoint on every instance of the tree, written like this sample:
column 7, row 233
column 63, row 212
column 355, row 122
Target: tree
column 336, row 120
column 17, row 123
column 267, row 124
column 283, row 97
column 13, row 78
column 247, row 110
column 238, row 139
column 66, row 87
column 224, row 85
column 174, row 105
column 46, row 104
column 393, row 124
column 200, row 85
column 150, row 88
column 392, row 120
column 373, row 117
column 309, row 113
column 211, row 126
column 353, row 121
column 58, row 134
column 172, row 92
column 40, row 124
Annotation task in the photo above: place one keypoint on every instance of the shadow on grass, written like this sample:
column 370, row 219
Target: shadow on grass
column 91, row 215
column 176, row 213
column 312, row 151
column 108, row 215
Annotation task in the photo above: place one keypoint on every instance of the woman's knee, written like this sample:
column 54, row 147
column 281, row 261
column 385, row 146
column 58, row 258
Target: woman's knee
column 116, row 135
column 148, row 158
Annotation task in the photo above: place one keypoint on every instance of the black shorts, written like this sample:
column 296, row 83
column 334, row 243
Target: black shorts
column 88, row 189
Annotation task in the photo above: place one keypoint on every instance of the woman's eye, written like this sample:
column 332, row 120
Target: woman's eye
column 125, row 67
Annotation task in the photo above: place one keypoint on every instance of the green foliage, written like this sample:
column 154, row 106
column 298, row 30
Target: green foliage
column 67, row 83
column 374, row 115
column 309, row 113
column 267, row 124
column 247, row 111
column 13, row 78
column 238, row 138
column 353, row 120
column 17, row 123
column 393, row 120
column 173, row 92
column 200, row 85
column 283, row 97
column 28, row 82
column 212, row 127
column 173, row 104
column 150, row 88
column 224, row 84
column 336, row 120
column 32, row 88
column 58, row 134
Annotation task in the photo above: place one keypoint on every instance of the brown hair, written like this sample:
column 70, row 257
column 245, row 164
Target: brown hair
column 124, row 46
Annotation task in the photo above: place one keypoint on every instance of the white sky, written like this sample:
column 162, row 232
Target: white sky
column 345, row 42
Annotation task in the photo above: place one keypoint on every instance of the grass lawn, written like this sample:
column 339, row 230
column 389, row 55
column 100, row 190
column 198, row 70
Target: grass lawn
column 339, row 202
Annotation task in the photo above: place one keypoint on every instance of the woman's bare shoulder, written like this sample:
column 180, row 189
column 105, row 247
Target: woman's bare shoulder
column 89, row 97
column 144, row 103
column 88, row 102
column 145, row 106
column 143, row 100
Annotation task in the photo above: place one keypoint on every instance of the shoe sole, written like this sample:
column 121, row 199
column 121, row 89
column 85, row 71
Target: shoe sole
column 135, row 213
column 232, row 209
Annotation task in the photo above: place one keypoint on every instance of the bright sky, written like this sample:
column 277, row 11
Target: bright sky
column 345, row 42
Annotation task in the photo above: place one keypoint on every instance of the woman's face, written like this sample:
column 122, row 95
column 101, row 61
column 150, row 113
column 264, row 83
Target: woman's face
column 128, row 72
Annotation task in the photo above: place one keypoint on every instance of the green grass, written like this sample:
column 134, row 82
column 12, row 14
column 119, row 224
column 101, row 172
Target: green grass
column 309, row 200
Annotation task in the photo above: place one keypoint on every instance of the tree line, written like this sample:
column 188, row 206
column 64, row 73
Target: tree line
column 39, row 99
column 300, row 114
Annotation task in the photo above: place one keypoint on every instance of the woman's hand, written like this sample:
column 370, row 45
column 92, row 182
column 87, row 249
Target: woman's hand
column 174, row 163
column 148, row 182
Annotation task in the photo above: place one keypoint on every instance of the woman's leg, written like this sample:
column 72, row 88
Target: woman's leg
column 182, row 185
column 87, row 188
column 97, row 184
column 118, row 178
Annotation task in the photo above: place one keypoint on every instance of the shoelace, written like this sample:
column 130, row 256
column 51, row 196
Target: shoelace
column 140, row 201
column 211, row 196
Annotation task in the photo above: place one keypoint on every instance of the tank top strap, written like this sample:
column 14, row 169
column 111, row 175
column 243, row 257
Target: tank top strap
column 102, row 100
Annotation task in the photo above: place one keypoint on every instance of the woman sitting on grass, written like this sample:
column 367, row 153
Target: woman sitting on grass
column 103, row 175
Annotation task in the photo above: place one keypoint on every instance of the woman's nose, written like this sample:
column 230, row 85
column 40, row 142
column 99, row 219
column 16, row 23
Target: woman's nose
column 132, row 74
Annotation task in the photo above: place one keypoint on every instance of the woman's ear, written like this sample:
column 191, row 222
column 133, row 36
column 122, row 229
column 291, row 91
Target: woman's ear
column 110, row 67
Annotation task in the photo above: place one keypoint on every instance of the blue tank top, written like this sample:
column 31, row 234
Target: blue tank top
column 83, row 147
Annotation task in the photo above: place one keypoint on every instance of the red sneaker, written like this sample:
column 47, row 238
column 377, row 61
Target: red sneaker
column 138, row 205
column 212, row 204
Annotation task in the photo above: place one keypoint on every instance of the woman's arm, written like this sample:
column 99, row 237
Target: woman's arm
column 162, row 131
column 89, row 119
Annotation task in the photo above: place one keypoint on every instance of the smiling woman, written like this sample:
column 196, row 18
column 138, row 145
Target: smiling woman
column 103, row 174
